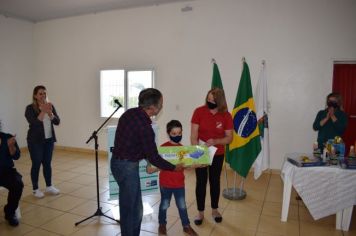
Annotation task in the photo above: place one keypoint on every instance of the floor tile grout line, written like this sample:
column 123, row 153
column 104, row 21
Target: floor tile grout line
column 263, row 203
column 38, row 228
column 299, row 224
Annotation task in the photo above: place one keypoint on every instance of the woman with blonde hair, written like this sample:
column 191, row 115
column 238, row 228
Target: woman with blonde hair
column 211, row 124
column 41, row 116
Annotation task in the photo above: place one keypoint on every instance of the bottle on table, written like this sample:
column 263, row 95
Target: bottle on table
column 325, row 155
column 316, row 150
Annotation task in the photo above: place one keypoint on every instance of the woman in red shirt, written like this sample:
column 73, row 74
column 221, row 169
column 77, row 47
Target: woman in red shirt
column 212, row 124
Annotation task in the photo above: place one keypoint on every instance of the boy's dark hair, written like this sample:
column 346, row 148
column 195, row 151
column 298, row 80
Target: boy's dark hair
column 149, row 97
column 173, row 124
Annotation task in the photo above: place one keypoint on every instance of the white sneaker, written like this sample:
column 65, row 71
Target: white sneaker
column 52, row 190
column 38, row 193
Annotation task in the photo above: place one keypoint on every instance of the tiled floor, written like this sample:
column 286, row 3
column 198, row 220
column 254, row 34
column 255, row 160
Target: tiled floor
column 74, row 175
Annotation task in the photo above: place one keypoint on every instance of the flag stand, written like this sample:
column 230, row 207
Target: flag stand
column 234, row 193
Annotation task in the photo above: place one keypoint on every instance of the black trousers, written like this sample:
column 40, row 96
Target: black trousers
column 12, row 180
column 214, row 172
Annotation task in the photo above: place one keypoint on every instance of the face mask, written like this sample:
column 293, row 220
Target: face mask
column 211, row 105
column 175, row 139
column 332, row 104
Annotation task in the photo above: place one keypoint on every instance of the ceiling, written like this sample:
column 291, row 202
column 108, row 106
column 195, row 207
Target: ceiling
column 41, row 10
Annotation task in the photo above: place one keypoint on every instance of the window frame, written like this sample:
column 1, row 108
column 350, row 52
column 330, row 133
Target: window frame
column 125, row 104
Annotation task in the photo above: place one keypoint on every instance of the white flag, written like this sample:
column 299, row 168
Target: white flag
column 262, row 160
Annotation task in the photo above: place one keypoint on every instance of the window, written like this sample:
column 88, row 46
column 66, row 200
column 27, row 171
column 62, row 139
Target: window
column 123, row 85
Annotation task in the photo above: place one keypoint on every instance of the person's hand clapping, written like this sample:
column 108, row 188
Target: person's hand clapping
column 11, row 143
column 49, row 107
column 46, row 108
column 331, row 114
column 331, row 111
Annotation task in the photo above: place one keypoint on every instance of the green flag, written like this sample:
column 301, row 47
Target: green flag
column 216, row 81
column 246, row 144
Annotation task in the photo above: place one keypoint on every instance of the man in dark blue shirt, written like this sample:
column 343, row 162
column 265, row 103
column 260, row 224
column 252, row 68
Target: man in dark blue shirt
column 134, row 141
column 9, row 177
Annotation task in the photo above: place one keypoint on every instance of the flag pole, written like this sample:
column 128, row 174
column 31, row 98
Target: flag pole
column 227, row 184
column 235, row 193
column 242, row 186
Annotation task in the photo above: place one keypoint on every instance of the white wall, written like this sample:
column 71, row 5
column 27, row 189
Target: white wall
column 298, row 39
column 16, row 74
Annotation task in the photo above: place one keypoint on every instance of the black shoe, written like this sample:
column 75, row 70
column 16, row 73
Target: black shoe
column 13, row 221
column 217, row 219
column 198, row 220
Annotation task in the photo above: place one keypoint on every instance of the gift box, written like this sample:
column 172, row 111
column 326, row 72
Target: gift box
column 339, row 148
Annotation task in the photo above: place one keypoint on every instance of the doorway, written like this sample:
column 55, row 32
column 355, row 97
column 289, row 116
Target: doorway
column 344, row 82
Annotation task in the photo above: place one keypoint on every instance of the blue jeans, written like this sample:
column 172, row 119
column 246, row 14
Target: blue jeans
column 126, row 174
column 179, row 195
column 41, row 154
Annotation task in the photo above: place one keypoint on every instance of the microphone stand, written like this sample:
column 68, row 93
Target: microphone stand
column 95, row 137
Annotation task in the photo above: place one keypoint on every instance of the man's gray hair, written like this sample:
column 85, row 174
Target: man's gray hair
column 149, row 97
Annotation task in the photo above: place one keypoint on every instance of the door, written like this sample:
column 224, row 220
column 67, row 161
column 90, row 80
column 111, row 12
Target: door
column 344, row 82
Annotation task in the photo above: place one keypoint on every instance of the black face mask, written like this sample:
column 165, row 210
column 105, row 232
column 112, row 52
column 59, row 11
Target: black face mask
column 176, row 139
column 332, row 104
column 211, row 105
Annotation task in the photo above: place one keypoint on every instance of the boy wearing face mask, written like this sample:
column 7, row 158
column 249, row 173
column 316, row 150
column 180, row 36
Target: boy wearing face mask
column 172, row 183
column 331, row 121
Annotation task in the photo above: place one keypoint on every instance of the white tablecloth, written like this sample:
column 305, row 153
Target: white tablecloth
column 325, row 190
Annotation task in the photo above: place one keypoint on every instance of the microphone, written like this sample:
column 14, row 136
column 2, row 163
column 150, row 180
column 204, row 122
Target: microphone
column 116, row 101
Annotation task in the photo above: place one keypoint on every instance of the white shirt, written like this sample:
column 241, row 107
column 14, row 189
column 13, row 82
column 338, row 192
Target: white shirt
column 47, row 126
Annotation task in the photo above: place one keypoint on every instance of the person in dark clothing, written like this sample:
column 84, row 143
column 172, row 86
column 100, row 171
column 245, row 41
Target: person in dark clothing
column 134, row 141
column 9, row 177
column 331, row 121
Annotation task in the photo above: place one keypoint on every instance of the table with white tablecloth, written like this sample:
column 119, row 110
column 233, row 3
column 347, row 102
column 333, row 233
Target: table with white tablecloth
column 325, row 190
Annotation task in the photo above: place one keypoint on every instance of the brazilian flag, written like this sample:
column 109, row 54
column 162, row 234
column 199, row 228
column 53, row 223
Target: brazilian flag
column 246, row 144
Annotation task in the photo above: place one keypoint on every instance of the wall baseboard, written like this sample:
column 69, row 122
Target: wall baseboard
column 72, row 149
column 80, row 150
column 268, row 171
